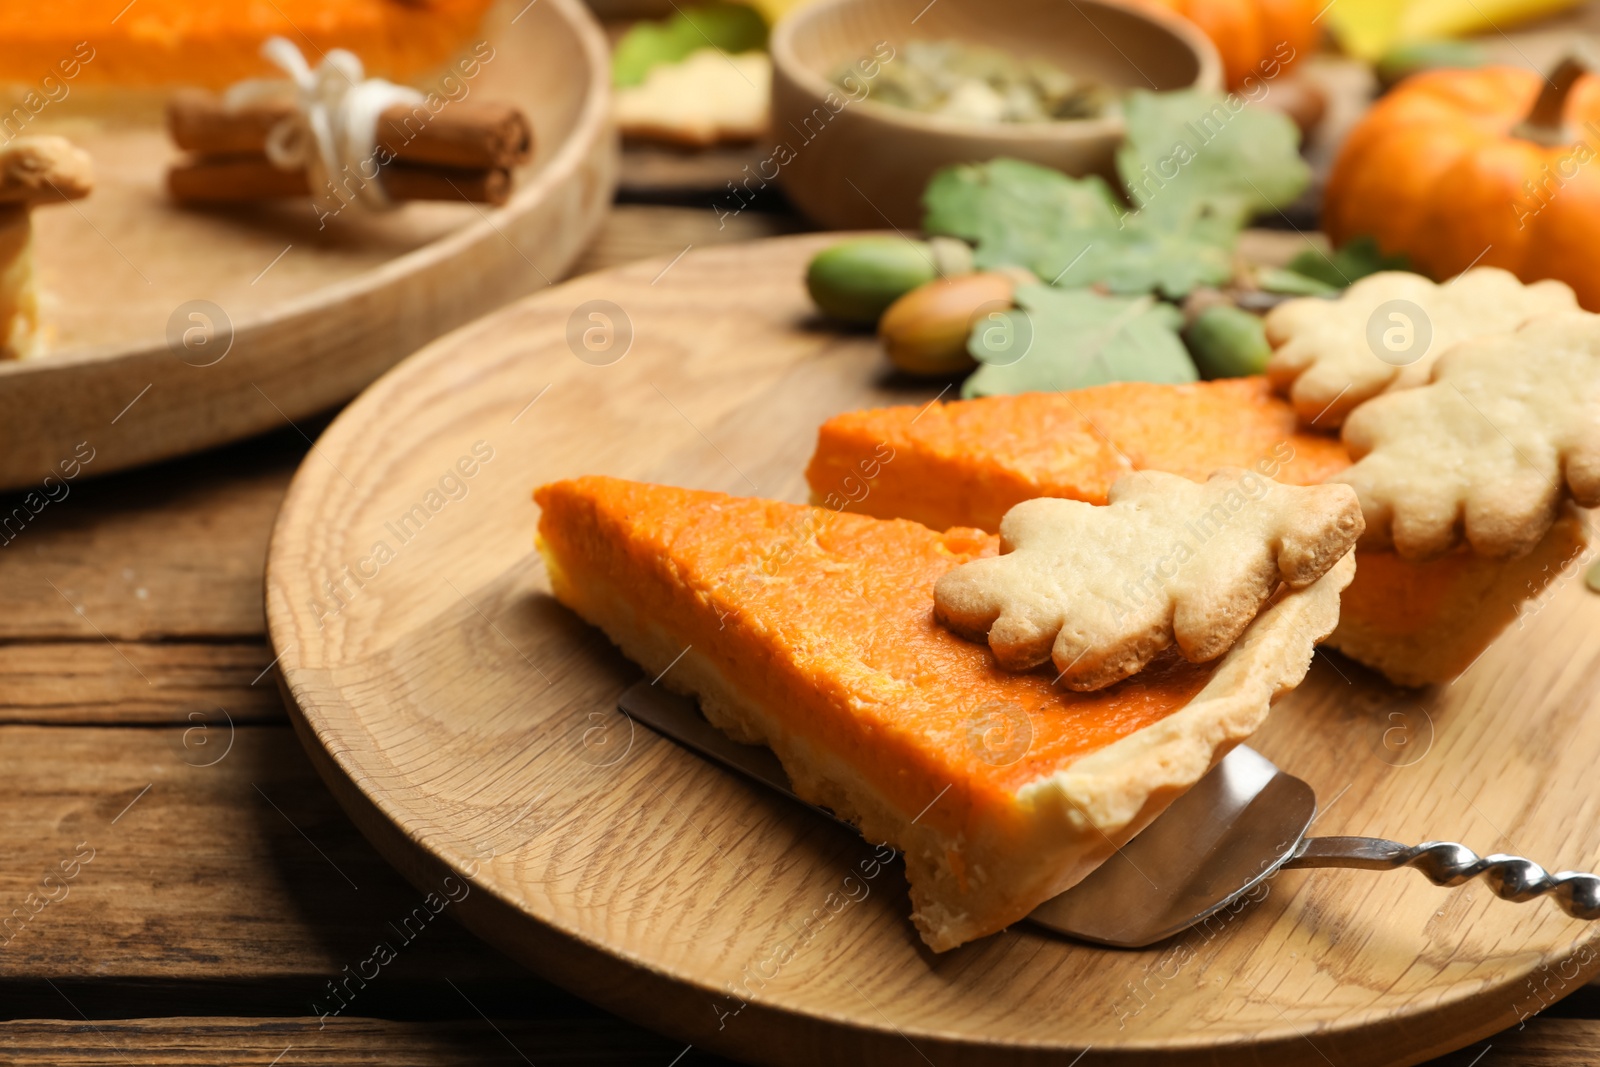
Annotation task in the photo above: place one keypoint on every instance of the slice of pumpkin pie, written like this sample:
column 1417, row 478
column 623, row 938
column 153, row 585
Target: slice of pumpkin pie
column 814, row 632
column 967, row 462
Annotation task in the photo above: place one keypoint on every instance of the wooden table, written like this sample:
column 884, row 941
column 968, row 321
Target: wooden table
column 216, row 891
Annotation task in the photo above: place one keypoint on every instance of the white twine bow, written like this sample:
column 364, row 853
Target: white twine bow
column 334, row 130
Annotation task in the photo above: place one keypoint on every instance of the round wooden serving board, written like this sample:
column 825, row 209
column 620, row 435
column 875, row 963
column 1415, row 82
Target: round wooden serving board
column 468, row 723
column 314, row 313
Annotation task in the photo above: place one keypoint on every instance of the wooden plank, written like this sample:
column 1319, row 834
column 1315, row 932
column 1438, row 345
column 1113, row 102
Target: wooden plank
column 173, row 551
column 1544, row 1042
column 642, row 231
column 94, row 681
column 177, row 550
column 662, row 172
column 211, row 854
column 357, row 1042
column 341, row 1043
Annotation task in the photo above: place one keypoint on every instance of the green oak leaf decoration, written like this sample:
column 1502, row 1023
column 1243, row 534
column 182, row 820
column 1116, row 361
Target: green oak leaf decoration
column 1196, row 166
column 1074, row 338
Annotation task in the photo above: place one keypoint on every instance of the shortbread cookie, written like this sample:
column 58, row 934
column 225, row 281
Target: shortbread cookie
column 1509, row 426
column 34, row 171
column 709, row 98
column 1385, row 332
column 1101, row 590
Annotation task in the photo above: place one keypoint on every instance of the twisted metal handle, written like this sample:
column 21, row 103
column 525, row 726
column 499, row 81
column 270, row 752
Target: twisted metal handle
column 1446, row 863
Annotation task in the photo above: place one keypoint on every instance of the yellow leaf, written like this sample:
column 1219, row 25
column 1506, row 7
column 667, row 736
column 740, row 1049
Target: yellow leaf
column 1367, row 29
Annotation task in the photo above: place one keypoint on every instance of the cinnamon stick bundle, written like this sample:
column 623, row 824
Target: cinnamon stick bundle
column 486, row 135
column 227, row 179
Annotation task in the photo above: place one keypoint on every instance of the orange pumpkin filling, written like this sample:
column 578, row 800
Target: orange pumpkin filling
column 826, row 620
column 217, row 42
column 968, row 462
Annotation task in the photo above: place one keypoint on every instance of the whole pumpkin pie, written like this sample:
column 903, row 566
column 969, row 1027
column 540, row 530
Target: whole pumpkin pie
column 214, row 43
column 813, row 632
column 965, row 463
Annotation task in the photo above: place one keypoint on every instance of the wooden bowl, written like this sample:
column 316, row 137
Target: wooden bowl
column 298, row 317
column 866, row 163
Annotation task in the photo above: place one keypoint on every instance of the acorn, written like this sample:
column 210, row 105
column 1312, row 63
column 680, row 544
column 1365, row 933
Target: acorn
column 857, row 280
column 926, row 330
column 1228, row 342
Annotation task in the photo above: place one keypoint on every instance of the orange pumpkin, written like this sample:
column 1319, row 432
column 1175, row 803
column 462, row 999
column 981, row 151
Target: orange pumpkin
column 1494, row 166
column 1256, row 38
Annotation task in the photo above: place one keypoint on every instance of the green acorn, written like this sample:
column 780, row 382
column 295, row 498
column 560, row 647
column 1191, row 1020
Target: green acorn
column 857, row 280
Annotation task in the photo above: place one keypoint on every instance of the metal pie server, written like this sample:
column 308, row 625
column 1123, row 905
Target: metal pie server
column 1240, row 824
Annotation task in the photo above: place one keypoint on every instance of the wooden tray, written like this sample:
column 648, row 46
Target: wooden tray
column 314, row 314
column 467, row 723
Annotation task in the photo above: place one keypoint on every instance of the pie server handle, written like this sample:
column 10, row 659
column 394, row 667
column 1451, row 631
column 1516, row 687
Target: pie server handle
column 1446, row 863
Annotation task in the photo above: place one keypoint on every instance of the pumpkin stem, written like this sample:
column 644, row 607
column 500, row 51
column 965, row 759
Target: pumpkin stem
column 1545, row 124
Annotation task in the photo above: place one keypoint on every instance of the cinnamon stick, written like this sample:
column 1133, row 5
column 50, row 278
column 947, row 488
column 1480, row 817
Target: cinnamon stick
column 229, row 179
column 487, row 134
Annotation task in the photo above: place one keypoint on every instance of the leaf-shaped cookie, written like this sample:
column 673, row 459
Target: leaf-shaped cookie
column 1386, row 331
column 1509, row 426
column 1101, row 590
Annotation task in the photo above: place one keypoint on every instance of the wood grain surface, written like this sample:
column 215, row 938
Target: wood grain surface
column 466, row 722
column 299, row 312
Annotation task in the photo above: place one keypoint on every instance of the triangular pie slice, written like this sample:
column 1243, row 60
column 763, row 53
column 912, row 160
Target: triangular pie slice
column 812, row 631
column 967, row 462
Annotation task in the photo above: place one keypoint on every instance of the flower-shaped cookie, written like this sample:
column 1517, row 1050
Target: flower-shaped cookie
column 1385, row 332
column 1101, row 590
column 1508, row 427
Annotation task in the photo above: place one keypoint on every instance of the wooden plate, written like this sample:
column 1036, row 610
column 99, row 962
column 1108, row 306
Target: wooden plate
column 467, row 722
column 314, row 314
